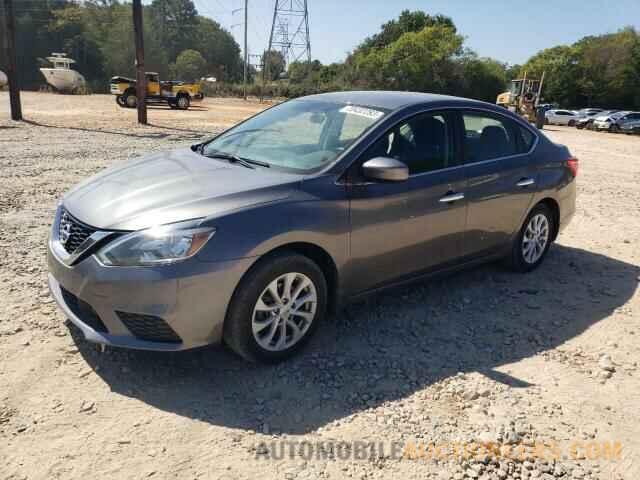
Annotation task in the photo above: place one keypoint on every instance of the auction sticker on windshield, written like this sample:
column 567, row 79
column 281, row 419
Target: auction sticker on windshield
column 362, row 112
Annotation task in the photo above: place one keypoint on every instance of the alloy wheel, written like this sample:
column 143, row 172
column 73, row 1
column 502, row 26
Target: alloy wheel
column 535, row 238
column 284, row 312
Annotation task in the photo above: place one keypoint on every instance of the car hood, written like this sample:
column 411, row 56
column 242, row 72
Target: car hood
column 172, row 186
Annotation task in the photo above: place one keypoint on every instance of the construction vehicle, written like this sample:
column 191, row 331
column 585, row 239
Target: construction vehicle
column 176, row 94
column 523, row 98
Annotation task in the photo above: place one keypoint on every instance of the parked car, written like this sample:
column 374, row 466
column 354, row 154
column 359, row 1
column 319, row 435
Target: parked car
column 587, row 112
column 614, row 122
column 587, row 121
column 547, row 106
column 560, row 117
column 253, row 236
column 630, row 127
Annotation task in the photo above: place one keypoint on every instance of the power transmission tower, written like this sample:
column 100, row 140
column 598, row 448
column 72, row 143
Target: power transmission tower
column 290, row 31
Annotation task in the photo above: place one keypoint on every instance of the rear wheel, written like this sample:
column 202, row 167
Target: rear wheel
column 276, row 308
column 572, row 123
column 532, row 242
column 183, row 102
column 130, row 100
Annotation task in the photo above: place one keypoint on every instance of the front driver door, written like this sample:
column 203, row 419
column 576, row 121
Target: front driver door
column 404, row 228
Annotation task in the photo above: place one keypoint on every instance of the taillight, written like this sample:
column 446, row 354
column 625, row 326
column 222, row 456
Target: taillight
column 572, row 163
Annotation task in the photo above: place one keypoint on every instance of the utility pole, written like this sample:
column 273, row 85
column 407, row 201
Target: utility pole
column 141, row 83
column 246, row 50
column 12, row 69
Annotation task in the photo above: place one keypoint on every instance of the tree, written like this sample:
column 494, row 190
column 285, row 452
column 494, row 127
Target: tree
column 219, row 49
column 406, row 23
column 595, row 71
column 421, row 61
column 274, row 63
column 480, row 78
column 190, row 65
column 561, row 66
column 176, row 22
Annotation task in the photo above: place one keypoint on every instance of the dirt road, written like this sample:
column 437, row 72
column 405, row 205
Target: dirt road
column 549, row 358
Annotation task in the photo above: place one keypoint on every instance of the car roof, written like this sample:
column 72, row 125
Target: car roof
column 392, row 100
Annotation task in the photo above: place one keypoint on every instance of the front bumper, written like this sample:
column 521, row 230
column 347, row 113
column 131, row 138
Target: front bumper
column 601, row 125
column 191, row 297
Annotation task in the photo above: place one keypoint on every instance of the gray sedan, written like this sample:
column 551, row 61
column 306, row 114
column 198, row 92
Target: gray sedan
column 251, row 238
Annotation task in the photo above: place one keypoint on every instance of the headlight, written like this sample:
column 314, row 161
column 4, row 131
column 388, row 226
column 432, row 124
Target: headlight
column 156, row 246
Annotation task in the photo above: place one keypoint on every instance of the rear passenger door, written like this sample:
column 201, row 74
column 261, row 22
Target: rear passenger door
column 501, row 179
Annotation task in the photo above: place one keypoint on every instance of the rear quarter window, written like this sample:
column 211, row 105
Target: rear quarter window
column 526, row 137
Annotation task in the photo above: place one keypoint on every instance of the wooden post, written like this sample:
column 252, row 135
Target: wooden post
column 141, row 81
column 12, row 69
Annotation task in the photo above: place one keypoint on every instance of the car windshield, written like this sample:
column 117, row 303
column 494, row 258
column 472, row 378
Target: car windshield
column 299, row 135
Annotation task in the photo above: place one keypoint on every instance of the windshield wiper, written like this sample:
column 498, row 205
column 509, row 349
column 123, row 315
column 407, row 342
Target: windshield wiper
column 245, row 162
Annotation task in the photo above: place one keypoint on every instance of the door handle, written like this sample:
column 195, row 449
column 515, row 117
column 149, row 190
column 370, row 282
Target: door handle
column 525, row 182
column 452, row 197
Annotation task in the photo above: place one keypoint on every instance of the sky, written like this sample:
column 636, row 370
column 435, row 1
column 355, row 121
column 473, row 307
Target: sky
column 510, row 31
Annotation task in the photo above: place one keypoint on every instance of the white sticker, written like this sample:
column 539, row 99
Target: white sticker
column 362, row 112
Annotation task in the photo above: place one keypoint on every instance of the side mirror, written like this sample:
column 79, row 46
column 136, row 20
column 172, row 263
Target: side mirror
column 386, row 169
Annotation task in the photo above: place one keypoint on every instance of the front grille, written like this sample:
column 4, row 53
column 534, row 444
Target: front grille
column 149, row 327
column 71, row 232
column 83, row 311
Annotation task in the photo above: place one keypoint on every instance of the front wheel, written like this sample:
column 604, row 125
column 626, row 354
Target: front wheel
column 532, row 242
column 276, row 308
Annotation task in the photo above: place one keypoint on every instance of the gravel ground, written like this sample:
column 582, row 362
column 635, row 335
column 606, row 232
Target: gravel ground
column 545, row 360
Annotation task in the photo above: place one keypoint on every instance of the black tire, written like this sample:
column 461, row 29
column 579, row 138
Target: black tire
column 238, row 333
column 120, row 101
column 516, row 260
column 572, row 123
column 130, row 100
column 614, row 128
column 183, row 102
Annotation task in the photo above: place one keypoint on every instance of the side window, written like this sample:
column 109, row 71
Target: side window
column 423, row 143
column 526, row 139
column 487, row 137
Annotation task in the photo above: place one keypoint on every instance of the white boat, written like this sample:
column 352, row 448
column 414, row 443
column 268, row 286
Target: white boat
column 60, row 76
column 3, row 79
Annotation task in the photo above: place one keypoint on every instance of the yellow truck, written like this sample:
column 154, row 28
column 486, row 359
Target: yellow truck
column 173, row 93
column 523, row 98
